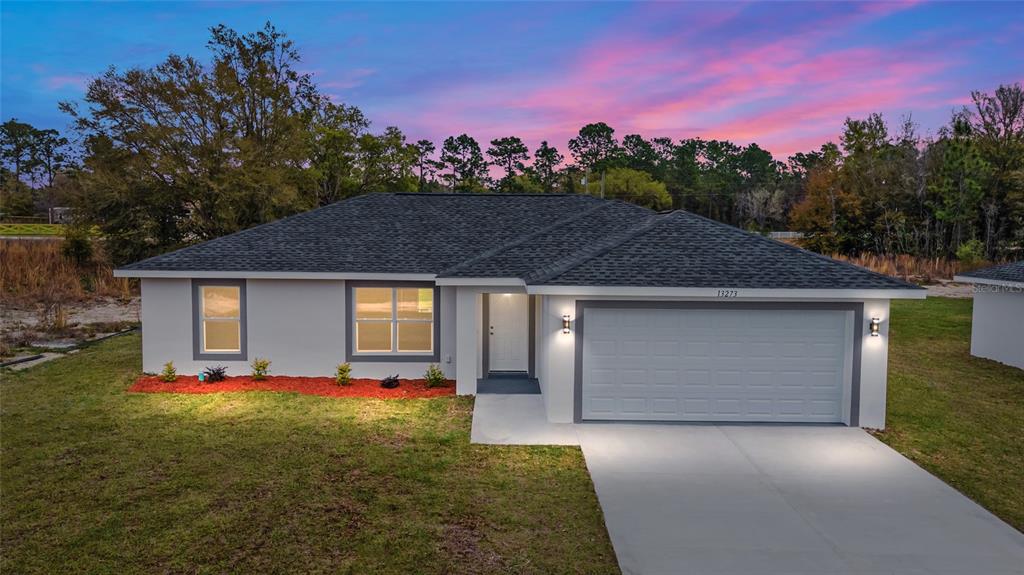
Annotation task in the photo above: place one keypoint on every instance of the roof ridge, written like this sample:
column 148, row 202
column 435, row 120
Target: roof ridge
column 799, row 249
column 579, row 257
column 486, row 254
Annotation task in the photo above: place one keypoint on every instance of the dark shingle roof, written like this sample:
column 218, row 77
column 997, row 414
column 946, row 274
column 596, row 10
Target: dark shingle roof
column 1011, row 272
column 684, row 249
column 542, row 239
column 378, row 233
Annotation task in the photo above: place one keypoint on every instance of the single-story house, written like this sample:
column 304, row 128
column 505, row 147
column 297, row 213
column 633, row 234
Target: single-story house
column 619, row 312
column 997, row 324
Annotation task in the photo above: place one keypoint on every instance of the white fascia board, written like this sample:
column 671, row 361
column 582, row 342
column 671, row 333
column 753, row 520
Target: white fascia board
column 507, row 282
column 727, row 293
column 988, row 282
column 122, row 273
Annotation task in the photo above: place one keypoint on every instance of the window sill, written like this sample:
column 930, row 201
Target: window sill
column 215, row 356
column 394, row 357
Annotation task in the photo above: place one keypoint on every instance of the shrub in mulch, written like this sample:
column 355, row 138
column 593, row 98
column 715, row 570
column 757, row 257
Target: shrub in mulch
column 390, row 382
column 325, row 386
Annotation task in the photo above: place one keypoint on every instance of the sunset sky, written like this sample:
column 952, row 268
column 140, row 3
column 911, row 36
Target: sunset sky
column 784, row 75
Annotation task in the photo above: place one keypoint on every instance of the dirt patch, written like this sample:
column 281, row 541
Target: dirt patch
column 100, row 311
column 461, row 542
column 951, row 289
column 324, row 386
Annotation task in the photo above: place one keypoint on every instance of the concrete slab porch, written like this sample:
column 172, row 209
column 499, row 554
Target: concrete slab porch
column 517, row 419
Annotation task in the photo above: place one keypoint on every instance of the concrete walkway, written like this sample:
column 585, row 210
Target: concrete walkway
column 707, row 499
column 517, row 420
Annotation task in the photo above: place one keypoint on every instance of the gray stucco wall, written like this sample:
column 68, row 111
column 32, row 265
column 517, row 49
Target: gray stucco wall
column 997, row 327
column 299, row 325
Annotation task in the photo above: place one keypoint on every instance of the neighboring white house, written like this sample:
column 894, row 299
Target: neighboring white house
column 997, row 326
column 619, row 313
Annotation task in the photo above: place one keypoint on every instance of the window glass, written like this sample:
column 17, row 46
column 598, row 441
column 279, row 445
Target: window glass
column 415, row 336
column 394, row 320
column 373, row 336
column 220, row 336
column 416, row 303
column 221, row 301
column 373, row 303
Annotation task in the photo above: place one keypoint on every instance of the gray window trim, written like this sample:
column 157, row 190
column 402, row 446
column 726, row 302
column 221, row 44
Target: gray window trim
column 197, row 321
column 858, row 335
column 350, row 328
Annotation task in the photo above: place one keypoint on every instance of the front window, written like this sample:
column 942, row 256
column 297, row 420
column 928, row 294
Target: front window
column 397, row 320
column 222, row 319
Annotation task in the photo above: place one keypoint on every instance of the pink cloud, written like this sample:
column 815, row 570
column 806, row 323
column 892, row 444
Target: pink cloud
column 349, row 80
column 59, row 82
column 788, row 91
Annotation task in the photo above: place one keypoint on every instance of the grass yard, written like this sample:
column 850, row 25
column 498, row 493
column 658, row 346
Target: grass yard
column 959, row 417
column 31, row 229
column 95, row 480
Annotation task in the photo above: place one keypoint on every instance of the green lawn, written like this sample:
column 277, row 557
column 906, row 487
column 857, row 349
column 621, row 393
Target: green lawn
column 31, row 229
column 959, row 417
column 95, row 480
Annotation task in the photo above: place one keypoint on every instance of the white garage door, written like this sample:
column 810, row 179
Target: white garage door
column 715, row 364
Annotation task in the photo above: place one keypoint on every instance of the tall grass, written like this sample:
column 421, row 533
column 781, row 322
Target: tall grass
column 912, row 268
column 36, row 272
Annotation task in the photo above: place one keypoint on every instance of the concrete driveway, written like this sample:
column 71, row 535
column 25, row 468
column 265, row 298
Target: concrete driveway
column 682, row 499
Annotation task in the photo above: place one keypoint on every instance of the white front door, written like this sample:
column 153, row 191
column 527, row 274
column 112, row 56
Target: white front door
column 508, row 327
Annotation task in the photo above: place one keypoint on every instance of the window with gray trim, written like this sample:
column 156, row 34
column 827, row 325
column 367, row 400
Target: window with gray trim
column 392, row 321
column 218, row 319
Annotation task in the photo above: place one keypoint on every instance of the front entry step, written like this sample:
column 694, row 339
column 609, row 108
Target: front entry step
column 509, row 382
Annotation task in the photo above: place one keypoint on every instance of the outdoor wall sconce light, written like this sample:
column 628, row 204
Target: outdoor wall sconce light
column 875, row 323
column 566, row 323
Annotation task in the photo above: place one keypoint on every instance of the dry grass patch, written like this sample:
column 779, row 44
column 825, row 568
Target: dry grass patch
column 37, row 270
column 912, row 268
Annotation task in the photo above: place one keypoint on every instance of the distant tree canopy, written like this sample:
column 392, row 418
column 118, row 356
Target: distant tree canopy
column 187, row 151
column 32, row 166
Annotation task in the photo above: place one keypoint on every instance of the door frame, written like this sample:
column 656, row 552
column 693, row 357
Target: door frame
column 857, row 308
column 531, row 334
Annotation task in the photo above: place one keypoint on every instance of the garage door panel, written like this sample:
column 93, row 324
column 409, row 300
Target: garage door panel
column 665, row 348
column 714, row 365
column 634, row 348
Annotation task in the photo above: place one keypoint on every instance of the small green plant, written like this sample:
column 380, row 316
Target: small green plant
column 77, row 245
column 260, row 368
column 434, row 376
column 215, row 374
column 971, row 252
column 389, row 382
column 169, row 374
column 343, row 375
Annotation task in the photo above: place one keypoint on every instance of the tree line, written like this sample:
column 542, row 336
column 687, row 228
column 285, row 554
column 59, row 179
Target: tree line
column 187, row 151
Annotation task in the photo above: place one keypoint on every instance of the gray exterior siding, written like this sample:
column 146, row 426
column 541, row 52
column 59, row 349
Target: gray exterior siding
column 299, row 325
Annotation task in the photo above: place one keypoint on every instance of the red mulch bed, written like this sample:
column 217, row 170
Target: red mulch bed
column 326, row 386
